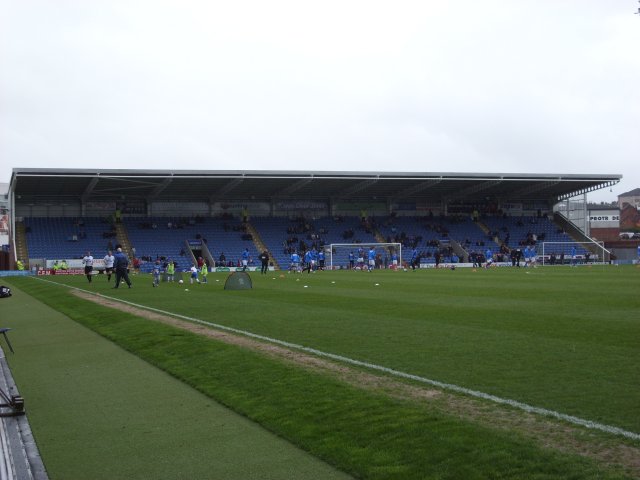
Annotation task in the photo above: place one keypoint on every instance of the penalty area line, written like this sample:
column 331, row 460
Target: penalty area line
column 396, row 373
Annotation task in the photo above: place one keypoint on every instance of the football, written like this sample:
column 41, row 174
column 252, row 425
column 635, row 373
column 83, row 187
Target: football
column 180, row 282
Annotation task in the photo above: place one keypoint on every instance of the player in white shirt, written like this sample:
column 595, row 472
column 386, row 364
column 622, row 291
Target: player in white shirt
column 108, row 265
column 360, row 260
column 533, row 257
column 194, row 274
column 87, row 261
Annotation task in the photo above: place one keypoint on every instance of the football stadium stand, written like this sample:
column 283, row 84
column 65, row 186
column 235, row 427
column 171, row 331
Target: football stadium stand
column 62, row 237
column 66, row 212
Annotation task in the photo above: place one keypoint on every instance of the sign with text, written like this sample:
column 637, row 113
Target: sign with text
column 604, row 219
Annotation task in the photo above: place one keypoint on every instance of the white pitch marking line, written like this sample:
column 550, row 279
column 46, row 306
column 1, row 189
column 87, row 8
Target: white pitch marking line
column 445, row 386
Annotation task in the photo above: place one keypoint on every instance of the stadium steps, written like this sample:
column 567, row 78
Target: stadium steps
column 259, row 244
column 459, row 250
column 123, row 239
column 482, row 226
column 379, row 237
column 575, row 233
column 22, row 250
column 189, row 251
column 206, row 254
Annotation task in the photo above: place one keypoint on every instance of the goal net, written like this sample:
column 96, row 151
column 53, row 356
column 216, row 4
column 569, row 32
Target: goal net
column 562, row 253
column 339, row 254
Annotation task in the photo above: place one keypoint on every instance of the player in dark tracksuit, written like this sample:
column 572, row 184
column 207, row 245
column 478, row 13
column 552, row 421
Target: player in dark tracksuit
column 264, row 259
column 415, row 258
column 121, row 264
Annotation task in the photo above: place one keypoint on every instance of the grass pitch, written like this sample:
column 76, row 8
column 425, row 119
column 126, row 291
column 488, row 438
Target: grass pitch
column 560, row 338
column 565, row 339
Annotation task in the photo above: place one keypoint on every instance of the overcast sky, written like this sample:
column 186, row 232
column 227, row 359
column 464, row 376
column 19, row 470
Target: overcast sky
column 497, row 86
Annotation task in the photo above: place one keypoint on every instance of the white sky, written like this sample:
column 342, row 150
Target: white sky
column 498, row 86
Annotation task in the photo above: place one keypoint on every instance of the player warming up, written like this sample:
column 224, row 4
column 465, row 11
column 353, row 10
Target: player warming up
column 171, row 270
column 371, row 255
column 204, row 270
column 415, row 259
column 87, row 261
column 194, row 274
column 245, row 259
column 156, row 274
column 108, row 265
column 295, row 263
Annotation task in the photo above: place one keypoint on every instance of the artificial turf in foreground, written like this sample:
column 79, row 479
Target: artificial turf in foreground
column 99, row 412
column 362, row 433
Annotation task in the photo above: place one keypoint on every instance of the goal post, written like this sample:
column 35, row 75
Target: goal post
column 560, row 253
column 338, row 253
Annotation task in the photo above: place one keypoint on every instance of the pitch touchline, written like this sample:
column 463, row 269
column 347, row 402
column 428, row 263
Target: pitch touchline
column 396, row 373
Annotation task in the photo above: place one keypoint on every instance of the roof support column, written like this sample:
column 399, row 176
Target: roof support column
column 87, row 193
column 12, row 229
column 210, row 202
column 585, row 215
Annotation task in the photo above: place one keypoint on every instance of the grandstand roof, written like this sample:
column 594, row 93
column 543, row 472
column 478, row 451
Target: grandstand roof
column 37, row 185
